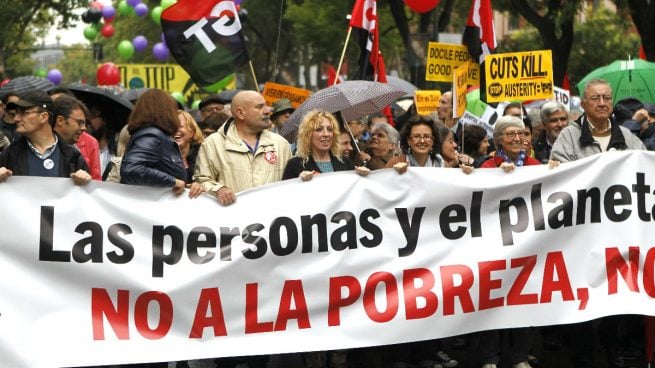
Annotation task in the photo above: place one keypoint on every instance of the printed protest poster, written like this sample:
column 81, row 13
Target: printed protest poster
column 426, row 102
column 519, row 76
column 459, row 90
column 274, row 91
column 443, row 58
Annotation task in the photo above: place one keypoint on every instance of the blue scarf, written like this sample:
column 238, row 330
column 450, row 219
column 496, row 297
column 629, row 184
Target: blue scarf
column 505, row 158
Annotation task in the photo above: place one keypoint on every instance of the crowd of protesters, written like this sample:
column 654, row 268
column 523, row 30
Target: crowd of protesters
column 234, row 146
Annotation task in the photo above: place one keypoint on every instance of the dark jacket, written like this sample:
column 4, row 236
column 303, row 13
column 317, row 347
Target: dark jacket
column 295, row 166
column 152, row 158
column 15, row 156
column 542, row 148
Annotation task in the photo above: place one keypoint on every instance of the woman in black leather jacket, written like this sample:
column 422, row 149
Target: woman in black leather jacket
column 152, row 156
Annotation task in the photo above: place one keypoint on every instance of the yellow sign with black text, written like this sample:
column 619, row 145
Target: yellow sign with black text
column 459, row 90
column 443, row 58
column 426, row 102
column 519, row 76
column 169, row 77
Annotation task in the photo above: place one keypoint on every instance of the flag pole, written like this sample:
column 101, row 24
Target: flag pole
column 343, row 54
column 254, row 77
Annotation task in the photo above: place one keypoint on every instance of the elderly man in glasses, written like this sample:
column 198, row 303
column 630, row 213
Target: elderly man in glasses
column 595, row 131
column 40, row 151
column 554, row 118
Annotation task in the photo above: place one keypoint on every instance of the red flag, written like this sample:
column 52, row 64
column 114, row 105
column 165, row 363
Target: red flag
column 332, row 75
column 364, row 16
column 480, row 37
column 381, row 76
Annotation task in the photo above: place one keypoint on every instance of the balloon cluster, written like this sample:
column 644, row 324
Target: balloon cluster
column 99, row 12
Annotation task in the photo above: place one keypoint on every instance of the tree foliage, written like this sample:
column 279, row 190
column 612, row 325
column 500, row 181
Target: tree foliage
column 21, row 19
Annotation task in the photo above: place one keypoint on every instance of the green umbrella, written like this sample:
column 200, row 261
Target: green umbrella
column 628, row 78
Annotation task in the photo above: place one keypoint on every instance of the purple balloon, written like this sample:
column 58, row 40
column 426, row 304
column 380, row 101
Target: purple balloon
column 133, row 3
column 238, row 2
column 141, row 9
column 108, row 11
column 54, row 76
column 160, row 51
column 140, row 43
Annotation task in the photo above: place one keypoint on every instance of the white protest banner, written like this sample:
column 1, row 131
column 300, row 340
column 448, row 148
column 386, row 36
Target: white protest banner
column 108, row 273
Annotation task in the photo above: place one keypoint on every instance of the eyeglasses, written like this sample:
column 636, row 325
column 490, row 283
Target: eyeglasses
column 599, row 98
column 418, row 137
column 23, row 113
column 512, row 135
column 80, row 122
column 561, row 118
column 212, row 108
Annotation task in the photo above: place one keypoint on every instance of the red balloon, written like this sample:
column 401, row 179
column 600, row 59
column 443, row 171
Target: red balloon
column 108, row 75
column 422, row 6
column 107, row 30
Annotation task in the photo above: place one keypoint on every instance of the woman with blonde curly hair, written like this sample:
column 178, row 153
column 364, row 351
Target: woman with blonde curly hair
column 189, row 137
column 318, row 149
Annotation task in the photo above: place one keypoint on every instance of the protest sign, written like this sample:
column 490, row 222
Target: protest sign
column 459, row 90
column 109, row 274
column 519, row 76
column 442, row 60
column 169, row 77
column 426, row 102
column 274, row 91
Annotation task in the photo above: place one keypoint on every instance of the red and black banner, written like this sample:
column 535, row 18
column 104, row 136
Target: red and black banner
column 205, row 38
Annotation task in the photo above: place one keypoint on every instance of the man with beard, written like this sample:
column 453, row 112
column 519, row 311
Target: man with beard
column 243, row 153
column 554, row 118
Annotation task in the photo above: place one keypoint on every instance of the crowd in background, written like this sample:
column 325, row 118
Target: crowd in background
column 231, row 145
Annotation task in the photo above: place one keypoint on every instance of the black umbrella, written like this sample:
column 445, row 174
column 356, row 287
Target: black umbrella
column 114, row 108
column 23, row 84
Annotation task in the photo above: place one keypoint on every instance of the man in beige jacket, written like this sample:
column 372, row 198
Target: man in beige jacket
column 243, row 153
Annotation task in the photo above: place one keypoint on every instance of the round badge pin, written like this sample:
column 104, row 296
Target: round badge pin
column 270, row 157
column 48, row 164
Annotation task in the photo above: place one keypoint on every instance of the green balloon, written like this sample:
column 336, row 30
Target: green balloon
column 195, row 105
column 126, row 49
column 125, row 9
column 90, row 32
column 221, row 84
column 155, row 14
column 98, row 26
column 41, row 72
column 166, row 3
column 179, row 97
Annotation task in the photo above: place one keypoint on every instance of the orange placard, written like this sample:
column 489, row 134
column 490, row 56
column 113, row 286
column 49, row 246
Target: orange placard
column 274, row 91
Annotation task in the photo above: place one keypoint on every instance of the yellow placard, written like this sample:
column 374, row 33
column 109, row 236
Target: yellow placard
column 459, row 90
column 426, row 101
column 169, row 77
column 519, row 76
column 443, row 58
column 273, row 92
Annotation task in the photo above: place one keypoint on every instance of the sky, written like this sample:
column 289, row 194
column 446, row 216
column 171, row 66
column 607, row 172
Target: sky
column 72, row 35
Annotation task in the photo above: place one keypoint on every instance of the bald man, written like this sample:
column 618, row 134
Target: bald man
column 243, row 153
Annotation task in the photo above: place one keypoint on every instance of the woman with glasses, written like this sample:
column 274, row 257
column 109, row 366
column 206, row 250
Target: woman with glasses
column 509, row 134
column 418, row 144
